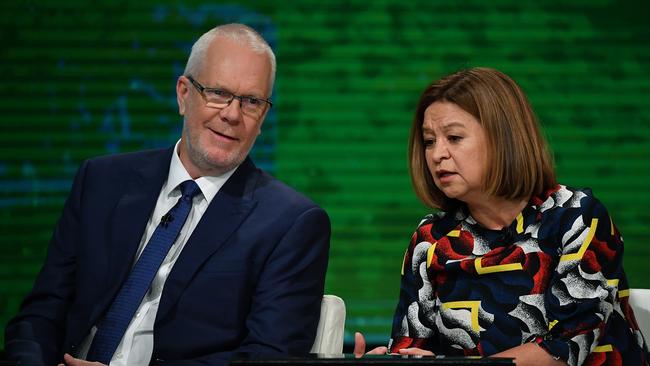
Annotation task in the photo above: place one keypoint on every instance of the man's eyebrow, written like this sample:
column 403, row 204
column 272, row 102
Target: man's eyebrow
column 252, row 94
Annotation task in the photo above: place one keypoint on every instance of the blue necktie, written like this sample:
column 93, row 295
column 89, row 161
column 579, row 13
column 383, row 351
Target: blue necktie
column 111, row 329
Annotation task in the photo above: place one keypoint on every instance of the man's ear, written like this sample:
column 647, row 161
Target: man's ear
column 182, row 92
column 259, row 127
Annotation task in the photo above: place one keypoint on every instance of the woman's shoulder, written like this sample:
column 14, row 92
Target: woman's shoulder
column 436, row 217
column 431, row 218
column 562, row 196
column 565, row 199
column 440, row 223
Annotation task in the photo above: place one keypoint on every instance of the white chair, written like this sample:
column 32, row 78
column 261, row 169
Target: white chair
column 329, row 334
column 640, row 302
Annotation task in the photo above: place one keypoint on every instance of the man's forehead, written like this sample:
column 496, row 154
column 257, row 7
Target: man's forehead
column 236, row 66
column 223, row 47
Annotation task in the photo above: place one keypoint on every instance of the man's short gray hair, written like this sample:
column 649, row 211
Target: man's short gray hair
column 239, row 33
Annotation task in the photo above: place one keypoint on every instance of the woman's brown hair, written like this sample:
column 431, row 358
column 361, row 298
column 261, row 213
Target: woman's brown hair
column 520, row 164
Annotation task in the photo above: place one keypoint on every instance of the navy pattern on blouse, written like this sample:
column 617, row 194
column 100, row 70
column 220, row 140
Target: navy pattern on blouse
column 554, row 277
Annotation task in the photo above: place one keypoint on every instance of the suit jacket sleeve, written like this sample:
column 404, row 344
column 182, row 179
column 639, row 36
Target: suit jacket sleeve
column 35, row 335
column 286, row 305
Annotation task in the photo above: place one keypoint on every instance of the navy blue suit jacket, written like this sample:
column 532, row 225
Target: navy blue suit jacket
column 249, row 280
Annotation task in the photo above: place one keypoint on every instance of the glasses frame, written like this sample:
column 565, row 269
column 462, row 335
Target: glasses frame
column 202, row 90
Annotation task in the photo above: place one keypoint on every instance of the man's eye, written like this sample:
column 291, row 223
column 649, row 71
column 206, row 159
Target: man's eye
column 220, row 93
column 252, row 101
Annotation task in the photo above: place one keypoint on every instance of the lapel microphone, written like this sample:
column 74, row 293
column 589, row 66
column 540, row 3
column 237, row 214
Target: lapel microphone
column 166, row 219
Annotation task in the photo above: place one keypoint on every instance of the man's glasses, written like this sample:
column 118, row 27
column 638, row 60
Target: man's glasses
column 220, row 98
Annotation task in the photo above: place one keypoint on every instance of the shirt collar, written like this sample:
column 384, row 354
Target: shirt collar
column 210, row 185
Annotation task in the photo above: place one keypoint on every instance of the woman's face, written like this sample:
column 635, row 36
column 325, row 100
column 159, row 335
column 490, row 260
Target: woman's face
column 455, row 150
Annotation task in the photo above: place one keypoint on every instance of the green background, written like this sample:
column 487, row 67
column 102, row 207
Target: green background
column 80, row 79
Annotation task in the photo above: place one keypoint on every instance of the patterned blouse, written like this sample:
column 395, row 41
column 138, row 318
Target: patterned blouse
column 553, row 277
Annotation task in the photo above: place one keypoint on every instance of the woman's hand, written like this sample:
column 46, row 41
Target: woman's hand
column 414, row 351
column 360, row 347
column 530, row 354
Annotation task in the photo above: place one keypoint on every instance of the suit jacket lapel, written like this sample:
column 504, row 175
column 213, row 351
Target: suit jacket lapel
column 130, row 219
column 226, row 212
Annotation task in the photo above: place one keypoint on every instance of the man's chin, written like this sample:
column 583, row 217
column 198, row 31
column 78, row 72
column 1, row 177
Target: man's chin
column 221, row 164
column 203, row 163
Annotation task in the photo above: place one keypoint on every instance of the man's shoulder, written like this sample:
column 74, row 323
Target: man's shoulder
column 113, row 171
column 272, row 191
column 130, row 158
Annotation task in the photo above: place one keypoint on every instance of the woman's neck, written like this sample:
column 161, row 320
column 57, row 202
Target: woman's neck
column 496, row 213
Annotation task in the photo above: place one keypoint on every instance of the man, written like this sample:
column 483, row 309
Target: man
column 243, row 272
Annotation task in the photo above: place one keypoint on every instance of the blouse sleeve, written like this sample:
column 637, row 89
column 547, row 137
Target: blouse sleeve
column 412, row 323
column 583, row 289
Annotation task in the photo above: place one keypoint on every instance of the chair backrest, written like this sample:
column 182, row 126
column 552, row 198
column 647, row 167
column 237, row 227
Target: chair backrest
column 329, row 335
column 640, row 302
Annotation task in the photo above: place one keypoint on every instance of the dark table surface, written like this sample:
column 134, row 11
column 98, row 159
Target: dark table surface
column 375, row 360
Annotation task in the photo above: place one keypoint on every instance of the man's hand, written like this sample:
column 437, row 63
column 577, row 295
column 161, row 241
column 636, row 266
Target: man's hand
column 360, row 347
column 71, row 361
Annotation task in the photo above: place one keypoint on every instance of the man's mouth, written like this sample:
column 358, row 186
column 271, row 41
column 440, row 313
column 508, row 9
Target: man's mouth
column 223, row 135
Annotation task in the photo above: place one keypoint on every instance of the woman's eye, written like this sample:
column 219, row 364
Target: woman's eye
column 428, row 142
column 455, row 138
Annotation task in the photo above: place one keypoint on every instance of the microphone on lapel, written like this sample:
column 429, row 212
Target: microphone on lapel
column 166, row 219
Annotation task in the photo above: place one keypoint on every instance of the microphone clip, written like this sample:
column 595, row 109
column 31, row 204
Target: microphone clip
column 166, row 219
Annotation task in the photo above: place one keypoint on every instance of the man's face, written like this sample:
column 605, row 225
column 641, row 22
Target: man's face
column 216, row 140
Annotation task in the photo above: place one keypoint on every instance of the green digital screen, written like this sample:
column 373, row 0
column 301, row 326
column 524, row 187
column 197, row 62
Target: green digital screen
column 81, row 79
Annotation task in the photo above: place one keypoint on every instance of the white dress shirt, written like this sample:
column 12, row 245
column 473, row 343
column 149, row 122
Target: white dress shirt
column 136, row 346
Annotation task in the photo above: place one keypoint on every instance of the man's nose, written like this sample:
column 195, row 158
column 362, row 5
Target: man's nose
column 232, row 113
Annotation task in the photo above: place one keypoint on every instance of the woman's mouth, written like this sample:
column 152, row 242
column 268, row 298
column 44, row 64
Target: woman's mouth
column 445, row 176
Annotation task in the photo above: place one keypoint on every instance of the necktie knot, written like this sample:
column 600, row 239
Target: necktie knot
column 189, row 189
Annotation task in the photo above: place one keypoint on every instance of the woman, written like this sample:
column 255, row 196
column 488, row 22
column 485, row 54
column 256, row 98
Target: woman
column 514, row 265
